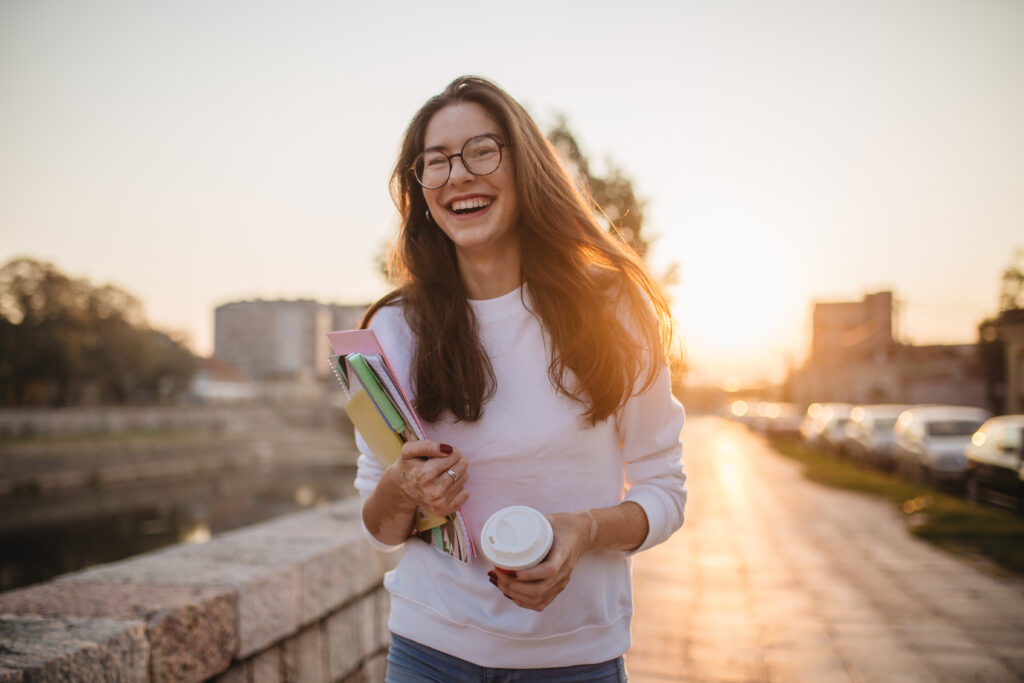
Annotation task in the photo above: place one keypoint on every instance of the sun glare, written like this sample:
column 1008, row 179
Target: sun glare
column 737, row 308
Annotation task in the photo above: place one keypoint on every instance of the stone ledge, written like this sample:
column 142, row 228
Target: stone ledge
column 190, row 630
column 197, row 608
column 72, row 649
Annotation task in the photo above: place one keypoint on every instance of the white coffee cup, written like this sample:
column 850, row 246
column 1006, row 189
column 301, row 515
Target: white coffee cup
column 516, row 537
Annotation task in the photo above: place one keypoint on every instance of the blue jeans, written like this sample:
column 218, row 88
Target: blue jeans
column 410, row 662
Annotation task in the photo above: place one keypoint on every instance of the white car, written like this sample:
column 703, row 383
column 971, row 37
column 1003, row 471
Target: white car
column 824, row 424
column 995, row 462
column 784, row 420
column 870, row 434
column 930, row 440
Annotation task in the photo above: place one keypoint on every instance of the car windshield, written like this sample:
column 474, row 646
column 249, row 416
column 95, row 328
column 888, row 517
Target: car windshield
column 953, row 427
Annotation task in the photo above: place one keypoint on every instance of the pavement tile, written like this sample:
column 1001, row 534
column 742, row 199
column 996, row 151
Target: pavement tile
column 954, row 666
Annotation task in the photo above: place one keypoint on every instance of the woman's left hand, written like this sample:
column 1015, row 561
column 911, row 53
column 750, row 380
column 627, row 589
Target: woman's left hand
column 536, row 587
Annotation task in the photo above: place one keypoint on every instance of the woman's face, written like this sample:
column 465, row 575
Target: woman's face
column 478, row 213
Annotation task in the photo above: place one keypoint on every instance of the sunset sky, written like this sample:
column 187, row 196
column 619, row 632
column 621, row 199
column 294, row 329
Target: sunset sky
column 196, row 153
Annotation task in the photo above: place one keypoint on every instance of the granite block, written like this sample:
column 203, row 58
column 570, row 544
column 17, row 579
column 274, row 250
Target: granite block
column 11, row 675
column 238, row 673
column 266, row 666
column 267, row 595
column 304, row 656
column 383, row 612
column 344, row 651
column 191, row 630
column 73, row 649
column 375, row 668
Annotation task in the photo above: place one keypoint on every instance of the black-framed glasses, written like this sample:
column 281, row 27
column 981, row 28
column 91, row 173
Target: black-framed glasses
column 480, row 156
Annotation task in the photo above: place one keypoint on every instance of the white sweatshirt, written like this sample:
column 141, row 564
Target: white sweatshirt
column 533, row 447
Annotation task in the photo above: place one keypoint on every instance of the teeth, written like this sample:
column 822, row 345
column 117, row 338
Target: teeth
column 468, row 204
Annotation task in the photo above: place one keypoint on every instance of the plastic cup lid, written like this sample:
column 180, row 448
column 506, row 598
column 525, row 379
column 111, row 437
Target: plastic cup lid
column 516, row 537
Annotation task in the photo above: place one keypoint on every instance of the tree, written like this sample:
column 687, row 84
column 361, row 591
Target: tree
column 616, row 204
column 66, row 341
column 991, row 342
column 1011, row 291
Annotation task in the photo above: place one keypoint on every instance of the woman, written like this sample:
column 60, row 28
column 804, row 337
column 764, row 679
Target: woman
column 534, row 345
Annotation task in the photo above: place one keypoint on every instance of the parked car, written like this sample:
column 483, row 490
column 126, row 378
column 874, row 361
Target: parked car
column 995, row 462
column 822, row 418
column 784, row 420
column 930, row 441
column 833, row 431
column 869, row 434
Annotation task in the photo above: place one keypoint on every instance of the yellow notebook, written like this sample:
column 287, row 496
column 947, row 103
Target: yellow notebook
column 385, row 444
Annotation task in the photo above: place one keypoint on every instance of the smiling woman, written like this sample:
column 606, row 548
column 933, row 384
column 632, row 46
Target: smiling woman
column 534, row 343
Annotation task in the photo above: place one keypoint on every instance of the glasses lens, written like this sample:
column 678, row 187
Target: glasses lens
column 432, row 169
column 481, row 155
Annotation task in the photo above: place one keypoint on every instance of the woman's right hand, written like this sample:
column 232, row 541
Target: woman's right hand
column 432, row 476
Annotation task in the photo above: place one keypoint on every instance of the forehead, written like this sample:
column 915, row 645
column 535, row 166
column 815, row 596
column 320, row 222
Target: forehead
column 451, row 126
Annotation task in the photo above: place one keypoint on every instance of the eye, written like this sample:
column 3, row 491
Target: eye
column 481, row 148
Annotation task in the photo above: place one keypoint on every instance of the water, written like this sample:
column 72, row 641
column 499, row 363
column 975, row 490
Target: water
column 53, row 534
column 71, row 503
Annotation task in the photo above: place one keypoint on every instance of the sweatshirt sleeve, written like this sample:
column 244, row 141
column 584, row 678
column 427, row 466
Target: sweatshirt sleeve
column 649, row 426
column 368, row 474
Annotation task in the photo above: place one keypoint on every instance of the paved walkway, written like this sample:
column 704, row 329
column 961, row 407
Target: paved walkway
column 774, row 578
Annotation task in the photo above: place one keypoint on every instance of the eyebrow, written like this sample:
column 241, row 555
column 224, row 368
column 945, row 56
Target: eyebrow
column 441, row 148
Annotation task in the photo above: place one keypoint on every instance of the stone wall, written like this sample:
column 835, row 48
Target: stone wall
column 299, row 598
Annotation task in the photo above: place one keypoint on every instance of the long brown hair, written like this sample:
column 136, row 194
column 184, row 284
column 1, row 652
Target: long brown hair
column 576, row 274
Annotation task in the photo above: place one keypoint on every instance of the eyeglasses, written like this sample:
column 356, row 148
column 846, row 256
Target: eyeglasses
column 480, row 156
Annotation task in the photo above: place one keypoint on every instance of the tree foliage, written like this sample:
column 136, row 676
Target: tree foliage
column 1011, row 291
column 616, row 204
column 65, row 341
column 991, row 337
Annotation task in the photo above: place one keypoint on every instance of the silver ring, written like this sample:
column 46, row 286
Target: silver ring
column 453, row 474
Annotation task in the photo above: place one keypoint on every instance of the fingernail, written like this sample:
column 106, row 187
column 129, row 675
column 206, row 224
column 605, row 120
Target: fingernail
column 492, row 576
column 493, row 580
column 446, row 449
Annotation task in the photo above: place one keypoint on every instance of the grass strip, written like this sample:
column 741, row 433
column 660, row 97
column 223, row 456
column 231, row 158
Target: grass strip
column 940, row 518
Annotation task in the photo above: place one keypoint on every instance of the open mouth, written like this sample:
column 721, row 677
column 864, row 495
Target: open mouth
column 465, row 207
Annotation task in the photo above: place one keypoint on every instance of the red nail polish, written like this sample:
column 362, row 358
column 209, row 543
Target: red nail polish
column 492, row 576
column 493, row 580
column 445, row 448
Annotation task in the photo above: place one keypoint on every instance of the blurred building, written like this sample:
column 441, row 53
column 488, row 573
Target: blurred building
column 856, row 359
column 281, row 339
column 852, row 331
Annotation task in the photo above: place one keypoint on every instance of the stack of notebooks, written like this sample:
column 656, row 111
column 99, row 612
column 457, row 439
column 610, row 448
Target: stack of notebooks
column 381, row 411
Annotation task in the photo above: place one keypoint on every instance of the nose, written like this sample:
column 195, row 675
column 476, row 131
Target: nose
column 459, row 171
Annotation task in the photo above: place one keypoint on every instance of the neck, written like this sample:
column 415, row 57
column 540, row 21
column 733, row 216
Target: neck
column 487, row 276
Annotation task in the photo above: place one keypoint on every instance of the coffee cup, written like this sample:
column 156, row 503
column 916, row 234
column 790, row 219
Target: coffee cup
column 516, row 537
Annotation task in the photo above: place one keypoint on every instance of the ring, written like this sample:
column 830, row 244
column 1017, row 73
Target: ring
column 453, row 474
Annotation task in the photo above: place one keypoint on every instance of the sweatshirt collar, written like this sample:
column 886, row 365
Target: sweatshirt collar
column 498, row 307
